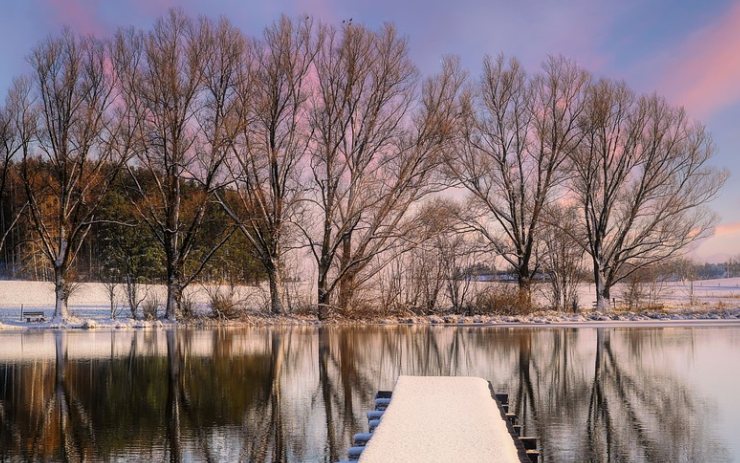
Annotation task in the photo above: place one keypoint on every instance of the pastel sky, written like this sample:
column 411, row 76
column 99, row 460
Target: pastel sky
column 688, row 51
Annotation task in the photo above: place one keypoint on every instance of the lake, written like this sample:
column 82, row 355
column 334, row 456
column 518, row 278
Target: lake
column 640, row 394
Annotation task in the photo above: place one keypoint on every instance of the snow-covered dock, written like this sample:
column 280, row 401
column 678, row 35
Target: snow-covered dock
column 441, row 419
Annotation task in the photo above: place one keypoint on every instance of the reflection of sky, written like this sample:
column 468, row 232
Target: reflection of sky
column 684, row 50
column 681, row 376
column 104, row 344
column 715, row 376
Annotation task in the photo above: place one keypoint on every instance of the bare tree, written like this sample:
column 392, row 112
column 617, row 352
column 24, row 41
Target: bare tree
column 438, row 268
column 440, row 264
column 373, row 153
column 646, row 288
column 267, row 156
column 425, row 276
column 686, row 270
column 15, row 133
column 458, row 256
column 517, row 133
column 563, row 257
column 135, row 293
column 111, row 285
column 179, row 82
column 390, row 283
column 641, row 181
column 76, row 149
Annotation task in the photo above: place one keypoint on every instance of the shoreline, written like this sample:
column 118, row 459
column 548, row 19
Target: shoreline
column 681, row 318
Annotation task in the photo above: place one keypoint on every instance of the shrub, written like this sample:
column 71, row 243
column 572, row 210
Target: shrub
column 224, row 304
column 187, row 306
column 305, row 309
column 150, row 307
column 501, row 300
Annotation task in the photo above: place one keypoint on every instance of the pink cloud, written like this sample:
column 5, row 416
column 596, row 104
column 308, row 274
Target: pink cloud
column 722, row 245
column 704, row 71
column 80, row 16
column 154, row 7
column 727, row 229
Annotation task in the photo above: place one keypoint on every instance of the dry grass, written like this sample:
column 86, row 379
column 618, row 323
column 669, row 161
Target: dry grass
column 224, row 305
column 501, row 301
column 150, row 307
column 304, row 310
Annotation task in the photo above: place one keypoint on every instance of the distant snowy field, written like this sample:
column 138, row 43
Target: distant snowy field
column 91, row 301
column 706, row 293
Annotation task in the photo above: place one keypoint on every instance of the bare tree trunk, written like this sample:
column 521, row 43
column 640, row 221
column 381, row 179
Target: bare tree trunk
column 524, row 280
column 324, row 294
column 61, row 311
column 174, row 292
column 277, row 289
column 324, row 299
column 347, row 287
column 602, row 290
column 347, row 282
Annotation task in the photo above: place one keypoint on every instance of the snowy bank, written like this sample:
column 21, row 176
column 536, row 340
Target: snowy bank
column 548, row 318
column 554, row 318
column 85, row 324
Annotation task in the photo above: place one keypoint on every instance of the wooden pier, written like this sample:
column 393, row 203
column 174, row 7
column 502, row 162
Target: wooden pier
column 442, row 419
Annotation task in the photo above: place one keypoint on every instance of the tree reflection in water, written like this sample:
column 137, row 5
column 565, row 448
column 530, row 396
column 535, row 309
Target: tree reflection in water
column 298, row 394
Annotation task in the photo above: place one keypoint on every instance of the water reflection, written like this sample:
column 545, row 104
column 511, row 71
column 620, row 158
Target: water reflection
column 298, row 394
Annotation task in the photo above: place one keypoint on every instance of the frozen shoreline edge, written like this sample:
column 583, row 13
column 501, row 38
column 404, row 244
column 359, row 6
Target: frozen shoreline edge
column 539, row 319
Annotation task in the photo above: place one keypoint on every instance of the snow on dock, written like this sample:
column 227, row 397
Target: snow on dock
column 441, row 419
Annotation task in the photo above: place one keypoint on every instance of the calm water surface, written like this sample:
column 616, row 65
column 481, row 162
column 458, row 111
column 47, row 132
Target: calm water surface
column 299, row 394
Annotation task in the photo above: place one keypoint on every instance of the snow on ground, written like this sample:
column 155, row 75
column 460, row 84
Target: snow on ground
column 441, row 419
column 89, row 303
column 90, row 300
column 724, row 291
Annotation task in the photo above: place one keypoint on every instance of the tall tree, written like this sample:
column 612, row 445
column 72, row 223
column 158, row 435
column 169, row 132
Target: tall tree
column 178, row 82
column 76, row 149
column 373, row 151
column 267, row 156
column 563, row 257
column 517, row 132
column 641, row 182
column 15, row 133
